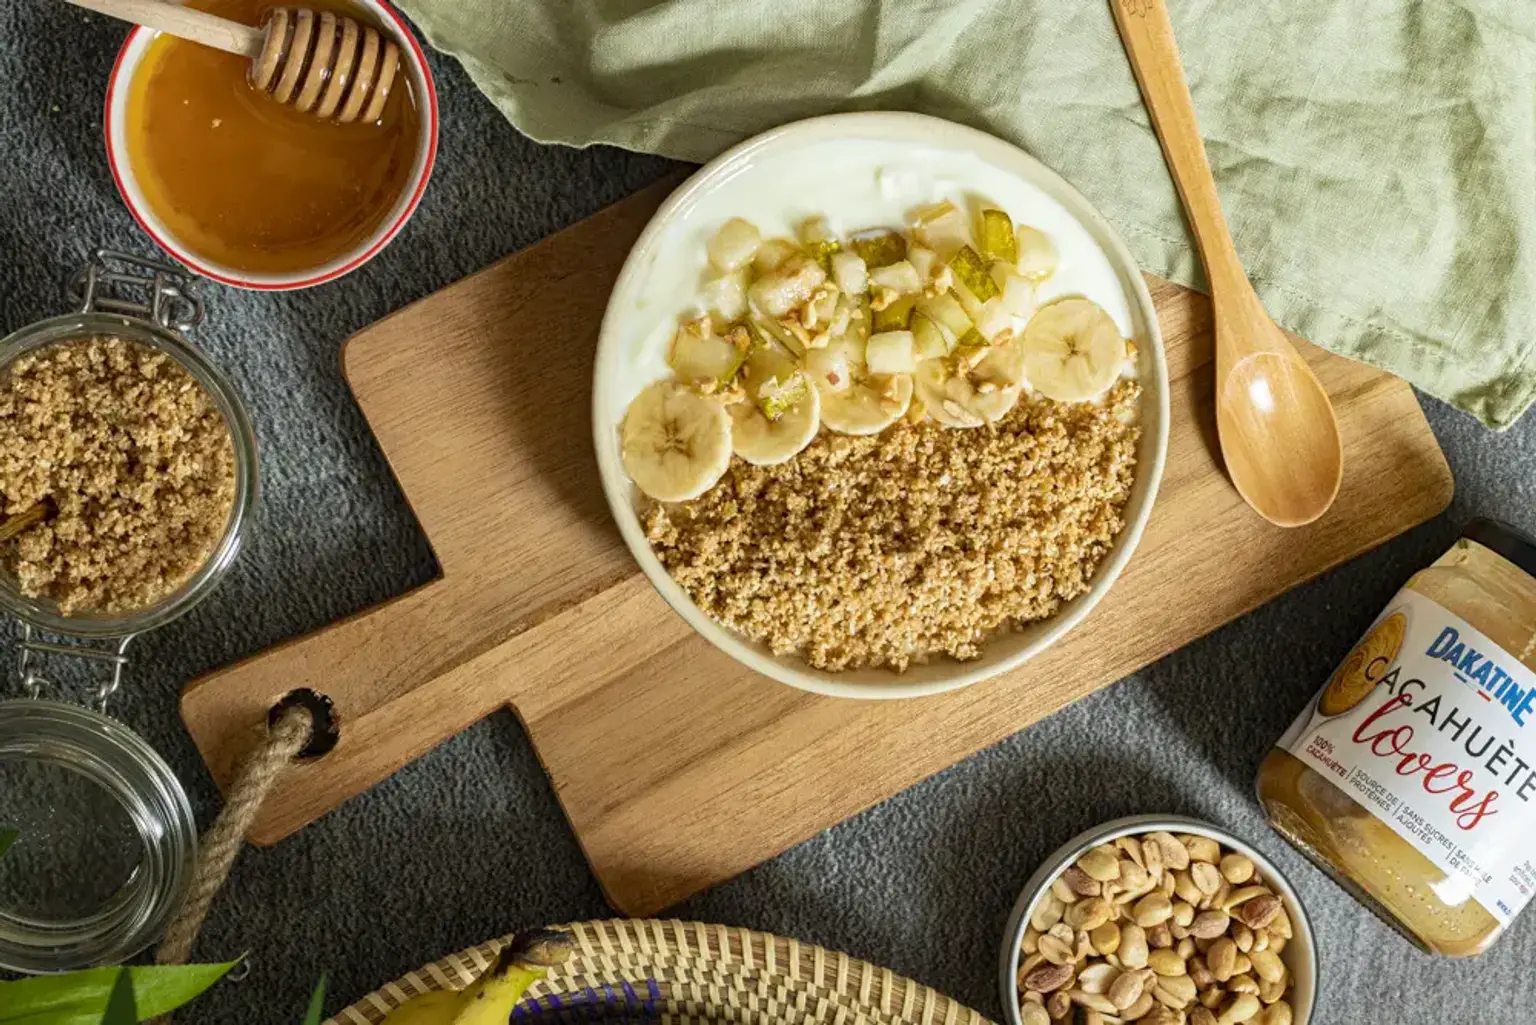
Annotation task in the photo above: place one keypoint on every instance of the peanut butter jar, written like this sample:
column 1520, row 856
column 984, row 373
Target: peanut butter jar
column 1411, row 777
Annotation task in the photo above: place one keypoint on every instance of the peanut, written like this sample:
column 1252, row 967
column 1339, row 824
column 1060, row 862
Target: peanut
column 1206, row 876
column 1031, row 1013
column 1106, row 938
column 1101, row 864
column 1048, row 977
column 1238, row 868
column 1210, row 924
column 1133, row 946
column 1222, row 959
column 1242, row 1008
column 1126, row 990
column 1153, row 909
column 1201, row 848
column 1088, row 914
column 1166, row 962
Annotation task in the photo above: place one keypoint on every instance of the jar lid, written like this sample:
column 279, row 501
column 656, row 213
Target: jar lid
column 1502, row 539
column 104, row 839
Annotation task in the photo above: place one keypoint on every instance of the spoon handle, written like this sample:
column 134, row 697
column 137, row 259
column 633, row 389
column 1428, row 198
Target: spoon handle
column 1148, row 36
column 184, row 22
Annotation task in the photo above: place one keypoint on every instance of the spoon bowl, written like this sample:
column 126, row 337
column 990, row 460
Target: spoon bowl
column 1279, row 436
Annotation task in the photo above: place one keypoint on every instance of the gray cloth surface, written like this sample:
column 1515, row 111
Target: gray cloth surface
column 469, row 841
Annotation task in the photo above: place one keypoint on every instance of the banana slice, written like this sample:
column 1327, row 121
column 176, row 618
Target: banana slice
column 765, row 442
column 868, row 405
column 675, row 443
column 970, row 398
column 1072, row 351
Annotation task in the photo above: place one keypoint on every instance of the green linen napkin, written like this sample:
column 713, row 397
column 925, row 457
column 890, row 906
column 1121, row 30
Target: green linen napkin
column 1377, row 158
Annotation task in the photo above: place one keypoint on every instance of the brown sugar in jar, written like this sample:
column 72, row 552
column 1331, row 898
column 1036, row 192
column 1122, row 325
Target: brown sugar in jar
column 136, row 462
column 1411, row 778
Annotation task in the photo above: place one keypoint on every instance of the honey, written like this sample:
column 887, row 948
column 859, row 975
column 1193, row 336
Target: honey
column 243, row 181
column 1412, row 778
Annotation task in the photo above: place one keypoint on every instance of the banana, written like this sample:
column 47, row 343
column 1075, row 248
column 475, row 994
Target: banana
column 675, row 443
column 782, row 412
column 868, row 405
column 490, row 998
column 959, row 397
column 1073, row 352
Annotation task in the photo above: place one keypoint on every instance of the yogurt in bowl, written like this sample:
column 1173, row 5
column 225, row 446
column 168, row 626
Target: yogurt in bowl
column 866, row 171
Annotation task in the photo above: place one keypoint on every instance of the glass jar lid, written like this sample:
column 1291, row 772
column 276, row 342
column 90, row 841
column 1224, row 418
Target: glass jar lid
column 104, row 839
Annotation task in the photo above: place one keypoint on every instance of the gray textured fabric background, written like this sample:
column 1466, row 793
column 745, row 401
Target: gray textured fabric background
column 469, row 842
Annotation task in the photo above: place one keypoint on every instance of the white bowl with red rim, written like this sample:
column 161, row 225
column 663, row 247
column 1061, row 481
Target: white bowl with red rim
column 419, row 75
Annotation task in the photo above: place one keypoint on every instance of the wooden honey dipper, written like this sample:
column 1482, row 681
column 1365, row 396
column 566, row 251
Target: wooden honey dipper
column 317, row 62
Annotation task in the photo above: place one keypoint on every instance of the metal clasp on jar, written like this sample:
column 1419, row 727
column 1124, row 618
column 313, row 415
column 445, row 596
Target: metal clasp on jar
column 170, row 299
column 113, row 654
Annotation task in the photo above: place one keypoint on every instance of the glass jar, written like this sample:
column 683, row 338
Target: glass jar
column 105, row 841
column 1411, row 778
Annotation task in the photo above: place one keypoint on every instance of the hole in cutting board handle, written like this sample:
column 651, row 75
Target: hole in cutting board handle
column 327, row 729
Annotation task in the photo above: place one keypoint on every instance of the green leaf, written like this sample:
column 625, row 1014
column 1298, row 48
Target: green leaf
column 8, row 837
column 316, row 1004
column 80, row 998
column 120, row 1008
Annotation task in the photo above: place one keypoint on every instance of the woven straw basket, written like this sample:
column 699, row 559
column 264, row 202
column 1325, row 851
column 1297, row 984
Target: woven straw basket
column 687, row 972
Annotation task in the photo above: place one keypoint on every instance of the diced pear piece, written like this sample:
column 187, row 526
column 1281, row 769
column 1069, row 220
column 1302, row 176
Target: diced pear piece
column 1017, row 291
column 941, row 227
column 928, row 339
column 734, row 244
column 997, row 238
column 897, row 316
column 850, row 273
column 789, row 285
column 891, row 352
column 899, row 277
column 725, row 296
column 771, row 254
column 1037, row 253
column 878, row 247
column 702, row 358
column 972, row 272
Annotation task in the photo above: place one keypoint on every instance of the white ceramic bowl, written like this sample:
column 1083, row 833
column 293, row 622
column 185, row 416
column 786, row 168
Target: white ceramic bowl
column 413, row 65
column 863, row 170
column 1300, row 954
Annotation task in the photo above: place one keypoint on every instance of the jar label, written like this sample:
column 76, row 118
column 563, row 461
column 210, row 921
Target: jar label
column 1431, row 727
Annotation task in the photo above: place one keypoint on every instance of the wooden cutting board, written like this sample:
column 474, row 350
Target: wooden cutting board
column 676, row 767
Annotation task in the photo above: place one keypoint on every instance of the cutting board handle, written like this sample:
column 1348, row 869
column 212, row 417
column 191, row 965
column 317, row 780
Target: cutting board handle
column 361, row 663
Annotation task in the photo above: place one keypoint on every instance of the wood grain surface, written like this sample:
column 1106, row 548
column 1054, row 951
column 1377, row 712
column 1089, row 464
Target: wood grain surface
column 676, row 767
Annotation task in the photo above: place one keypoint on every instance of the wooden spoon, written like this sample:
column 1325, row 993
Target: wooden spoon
column 1278, row 433
column 318, row 62
column 25, row 520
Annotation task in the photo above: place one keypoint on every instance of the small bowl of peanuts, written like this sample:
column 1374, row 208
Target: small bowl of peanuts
column 1158, row 920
